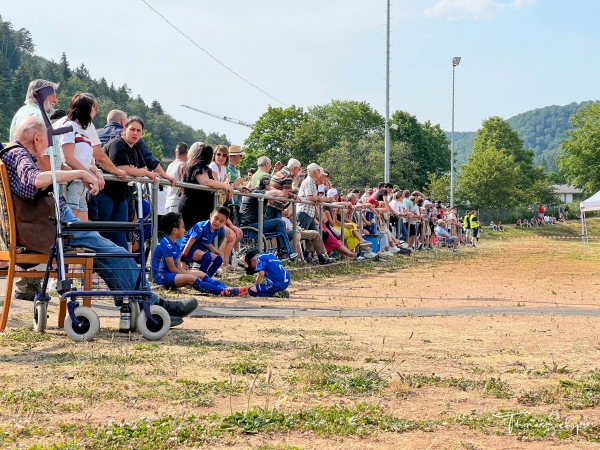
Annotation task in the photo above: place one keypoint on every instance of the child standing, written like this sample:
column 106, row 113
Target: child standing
column 197, row 243
column 166, row 270
column 269, row 269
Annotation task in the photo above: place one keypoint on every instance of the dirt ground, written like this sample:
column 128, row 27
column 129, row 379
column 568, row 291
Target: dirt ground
column 435, row 368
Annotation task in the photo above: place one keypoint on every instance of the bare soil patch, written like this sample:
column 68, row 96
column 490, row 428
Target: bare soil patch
column 466, row 382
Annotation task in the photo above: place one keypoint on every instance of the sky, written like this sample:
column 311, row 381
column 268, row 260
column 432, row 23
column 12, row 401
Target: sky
column 517, row 55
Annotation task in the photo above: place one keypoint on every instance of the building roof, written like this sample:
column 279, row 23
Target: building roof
column 566, row 189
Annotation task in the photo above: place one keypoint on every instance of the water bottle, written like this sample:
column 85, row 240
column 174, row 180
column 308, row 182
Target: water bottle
column 125, row 317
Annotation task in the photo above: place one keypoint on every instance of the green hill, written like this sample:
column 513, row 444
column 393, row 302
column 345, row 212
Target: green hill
column 19, row 65
column 541, row 129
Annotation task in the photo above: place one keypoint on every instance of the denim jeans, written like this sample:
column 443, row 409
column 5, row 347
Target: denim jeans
column 276, row 226
column 306, row 222
column 111, row 211
column 273, row 213
column 117, row 273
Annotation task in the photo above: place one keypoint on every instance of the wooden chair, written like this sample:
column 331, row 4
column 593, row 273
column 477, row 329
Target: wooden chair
column 15, row 255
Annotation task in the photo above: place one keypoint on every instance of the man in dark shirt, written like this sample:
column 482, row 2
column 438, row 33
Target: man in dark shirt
column 249, row 215
column 115, row 121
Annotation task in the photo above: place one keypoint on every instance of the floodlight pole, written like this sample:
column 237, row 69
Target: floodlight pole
column 455, row 62
column 386, row 171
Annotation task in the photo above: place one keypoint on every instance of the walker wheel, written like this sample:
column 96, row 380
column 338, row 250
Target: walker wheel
column 135, row 313
column 40, row 315
column 90, row 325
column 154, row 332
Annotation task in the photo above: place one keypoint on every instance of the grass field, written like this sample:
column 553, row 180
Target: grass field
column 524, row 379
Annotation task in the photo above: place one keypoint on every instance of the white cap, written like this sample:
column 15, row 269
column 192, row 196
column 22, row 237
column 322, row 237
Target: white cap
column 332, row 192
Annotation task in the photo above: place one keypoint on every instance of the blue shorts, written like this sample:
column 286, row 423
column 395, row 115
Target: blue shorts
column 269, row 287
column 166, row 279
column 447, row 240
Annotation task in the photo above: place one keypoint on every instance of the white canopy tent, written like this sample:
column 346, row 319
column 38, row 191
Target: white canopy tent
column 591, row 204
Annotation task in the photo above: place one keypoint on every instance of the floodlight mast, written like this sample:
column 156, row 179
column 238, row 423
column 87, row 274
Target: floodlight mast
column 226, row 118
column 455, row 62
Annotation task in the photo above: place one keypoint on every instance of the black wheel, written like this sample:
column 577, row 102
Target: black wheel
column 40, row 315
column 90, row 325
column 248, row 242
column 151, row 331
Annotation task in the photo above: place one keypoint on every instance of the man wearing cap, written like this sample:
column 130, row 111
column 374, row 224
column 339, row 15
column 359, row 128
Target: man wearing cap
column 235, row 157
column 281, row 183
column 444, row 236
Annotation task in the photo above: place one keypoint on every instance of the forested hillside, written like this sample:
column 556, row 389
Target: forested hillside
column 542, row 130
column 19, row 65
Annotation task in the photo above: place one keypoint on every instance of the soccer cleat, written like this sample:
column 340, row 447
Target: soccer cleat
column 283, row 294
column 234, row 292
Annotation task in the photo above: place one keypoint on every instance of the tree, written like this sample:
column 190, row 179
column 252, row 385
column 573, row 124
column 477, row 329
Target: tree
column 428, row 145
column 580, row 164
column 438, row 187
column 497, row 133
column 273, row 135
column 359, row 165
column 155, row 149
column 488, row 180
column 64, row 67
column 541, row 192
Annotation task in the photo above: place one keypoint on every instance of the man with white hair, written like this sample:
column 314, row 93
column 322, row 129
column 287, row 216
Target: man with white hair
column 31, row 108
column 264, row 168
column 281, row 185
column 307, row 213
column 26, row 288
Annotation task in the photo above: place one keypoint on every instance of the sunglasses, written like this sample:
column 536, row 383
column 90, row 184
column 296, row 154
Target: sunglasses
column 221, row 154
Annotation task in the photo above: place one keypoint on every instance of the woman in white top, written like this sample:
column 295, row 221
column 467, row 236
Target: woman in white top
column 219, row 169
column 77, row 151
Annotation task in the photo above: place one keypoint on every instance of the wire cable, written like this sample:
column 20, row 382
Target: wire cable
column 213, row 57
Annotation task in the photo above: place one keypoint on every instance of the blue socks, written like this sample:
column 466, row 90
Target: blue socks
column 210, row 266
column 208, row 285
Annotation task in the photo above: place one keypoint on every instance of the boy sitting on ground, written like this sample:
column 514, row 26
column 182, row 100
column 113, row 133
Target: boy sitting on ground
column 168, row 272
column 197, row 244
column 271, row 271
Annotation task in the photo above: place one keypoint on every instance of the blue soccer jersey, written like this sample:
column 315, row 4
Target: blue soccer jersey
column 166, row 248
column 274, row 270
column 202, row 233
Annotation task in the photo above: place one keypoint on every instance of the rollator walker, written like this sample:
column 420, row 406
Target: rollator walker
column 82, row 323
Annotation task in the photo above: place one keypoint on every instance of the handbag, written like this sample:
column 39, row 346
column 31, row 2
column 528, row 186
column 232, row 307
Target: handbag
column 33, row 218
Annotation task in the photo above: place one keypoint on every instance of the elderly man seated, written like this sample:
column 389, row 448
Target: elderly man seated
column 27, row 180
column 444, row 236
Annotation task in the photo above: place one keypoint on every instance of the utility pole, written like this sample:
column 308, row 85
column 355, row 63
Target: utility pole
column 387, row 100
column 455, row 62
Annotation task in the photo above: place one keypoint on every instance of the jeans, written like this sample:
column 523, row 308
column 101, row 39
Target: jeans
column 276, row 226
column 111, row 211
column 273, row 213
column 117, row 273
column 306, row 222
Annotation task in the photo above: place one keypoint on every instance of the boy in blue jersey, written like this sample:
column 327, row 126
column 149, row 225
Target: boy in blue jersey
column 197, row 244
column 271, row 270
column 168, row 272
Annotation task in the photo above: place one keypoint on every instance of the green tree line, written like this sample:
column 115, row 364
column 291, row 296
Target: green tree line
column 19, row 65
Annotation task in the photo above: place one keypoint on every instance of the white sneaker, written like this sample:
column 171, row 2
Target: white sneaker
column 387, row 253
column 370, row 255
column 394, row 250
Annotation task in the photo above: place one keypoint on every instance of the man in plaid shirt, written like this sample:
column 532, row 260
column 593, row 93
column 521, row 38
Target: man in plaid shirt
column 309, row 191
